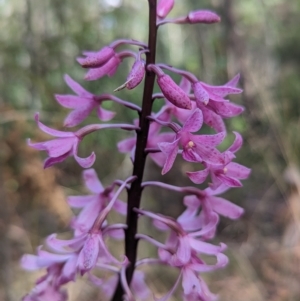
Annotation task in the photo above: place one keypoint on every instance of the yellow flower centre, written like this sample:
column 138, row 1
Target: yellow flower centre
column 190, row 144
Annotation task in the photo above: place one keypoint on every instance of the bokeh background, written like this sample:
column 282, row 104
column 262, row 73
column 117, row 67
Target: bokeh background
column 39, row 41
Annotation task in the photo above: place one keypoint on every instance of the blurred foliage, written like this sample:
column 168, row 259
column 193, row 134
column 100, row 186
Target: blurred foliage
column 39, row 42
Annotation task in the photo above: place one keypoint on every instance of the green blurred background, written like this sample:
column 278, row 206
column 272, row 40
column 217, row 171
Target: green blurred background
column 39, row 41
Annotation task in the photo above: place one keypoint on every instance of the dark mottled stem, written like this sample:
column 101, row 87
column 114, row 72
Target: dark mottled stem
column 135, row 191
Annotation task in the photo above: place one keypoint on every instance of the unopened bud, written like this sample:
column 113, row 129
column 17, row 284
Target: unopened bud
column 203, row 16
column 97, row 59
column 136, row 74
column 164, row 7
column 173, row 92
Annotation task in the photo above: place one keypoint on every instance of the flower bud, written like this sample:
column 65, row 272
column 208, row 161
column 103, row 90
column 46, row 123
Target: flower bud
column 173, row 92
column 164, row 7
column 203, row 16
column 136, row 74
column 97, row 59
column 108, row 68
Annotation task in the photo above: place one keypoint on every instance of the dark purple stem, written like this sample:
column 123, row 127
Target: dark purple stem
column 135, row 191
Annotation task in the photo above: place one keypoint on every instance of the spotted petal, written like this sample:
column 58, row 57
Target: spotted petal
column 194, row 122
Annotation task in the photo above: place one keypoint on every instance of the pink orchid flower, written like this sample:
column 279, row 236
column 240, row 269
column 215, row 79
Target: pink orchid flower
column 229, row 174
column 196, row 148
column 67, row 143
column 207, row 202
column 47, row 289
column 92, row 205
column 181, row 244
column 82, row 104
column 64, row 146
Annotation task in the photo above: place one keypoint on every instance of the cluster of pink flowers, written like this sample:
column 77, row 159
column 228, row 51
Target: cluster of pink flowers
column 188, row 106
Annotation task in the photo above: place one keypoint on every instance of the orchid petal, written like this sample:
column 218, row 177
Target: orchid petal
column 185, row 85
column 223, row 188
column 89, row 254
column 86, row 162
column 78, row 115
column 191, row 201
column 88, row 215
column 237, row 171
column 72, row 101
column 194, row 122
column 62, row 245
column 29, row 262
column 46, row 259
column 183, row 252
column 51, row 161
column 190, row 282
column 210, row 140
column 91, row 181
column 185, row 218
column 201, row 95
column 126, row 145
column 171, row 150
column 80, row 201
column 105, row 115
column 212, row 119
column 222, row 91
column 198, row 177
column 226, row 109
column 58, row 147
column 76, row 87
column 229, row 181
column 237, row 143
column 226, row 208
column 233, row 82
column 50, row 131
column 204, row 247
column 210, row 154
column 222, row 261
column 68, row 272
